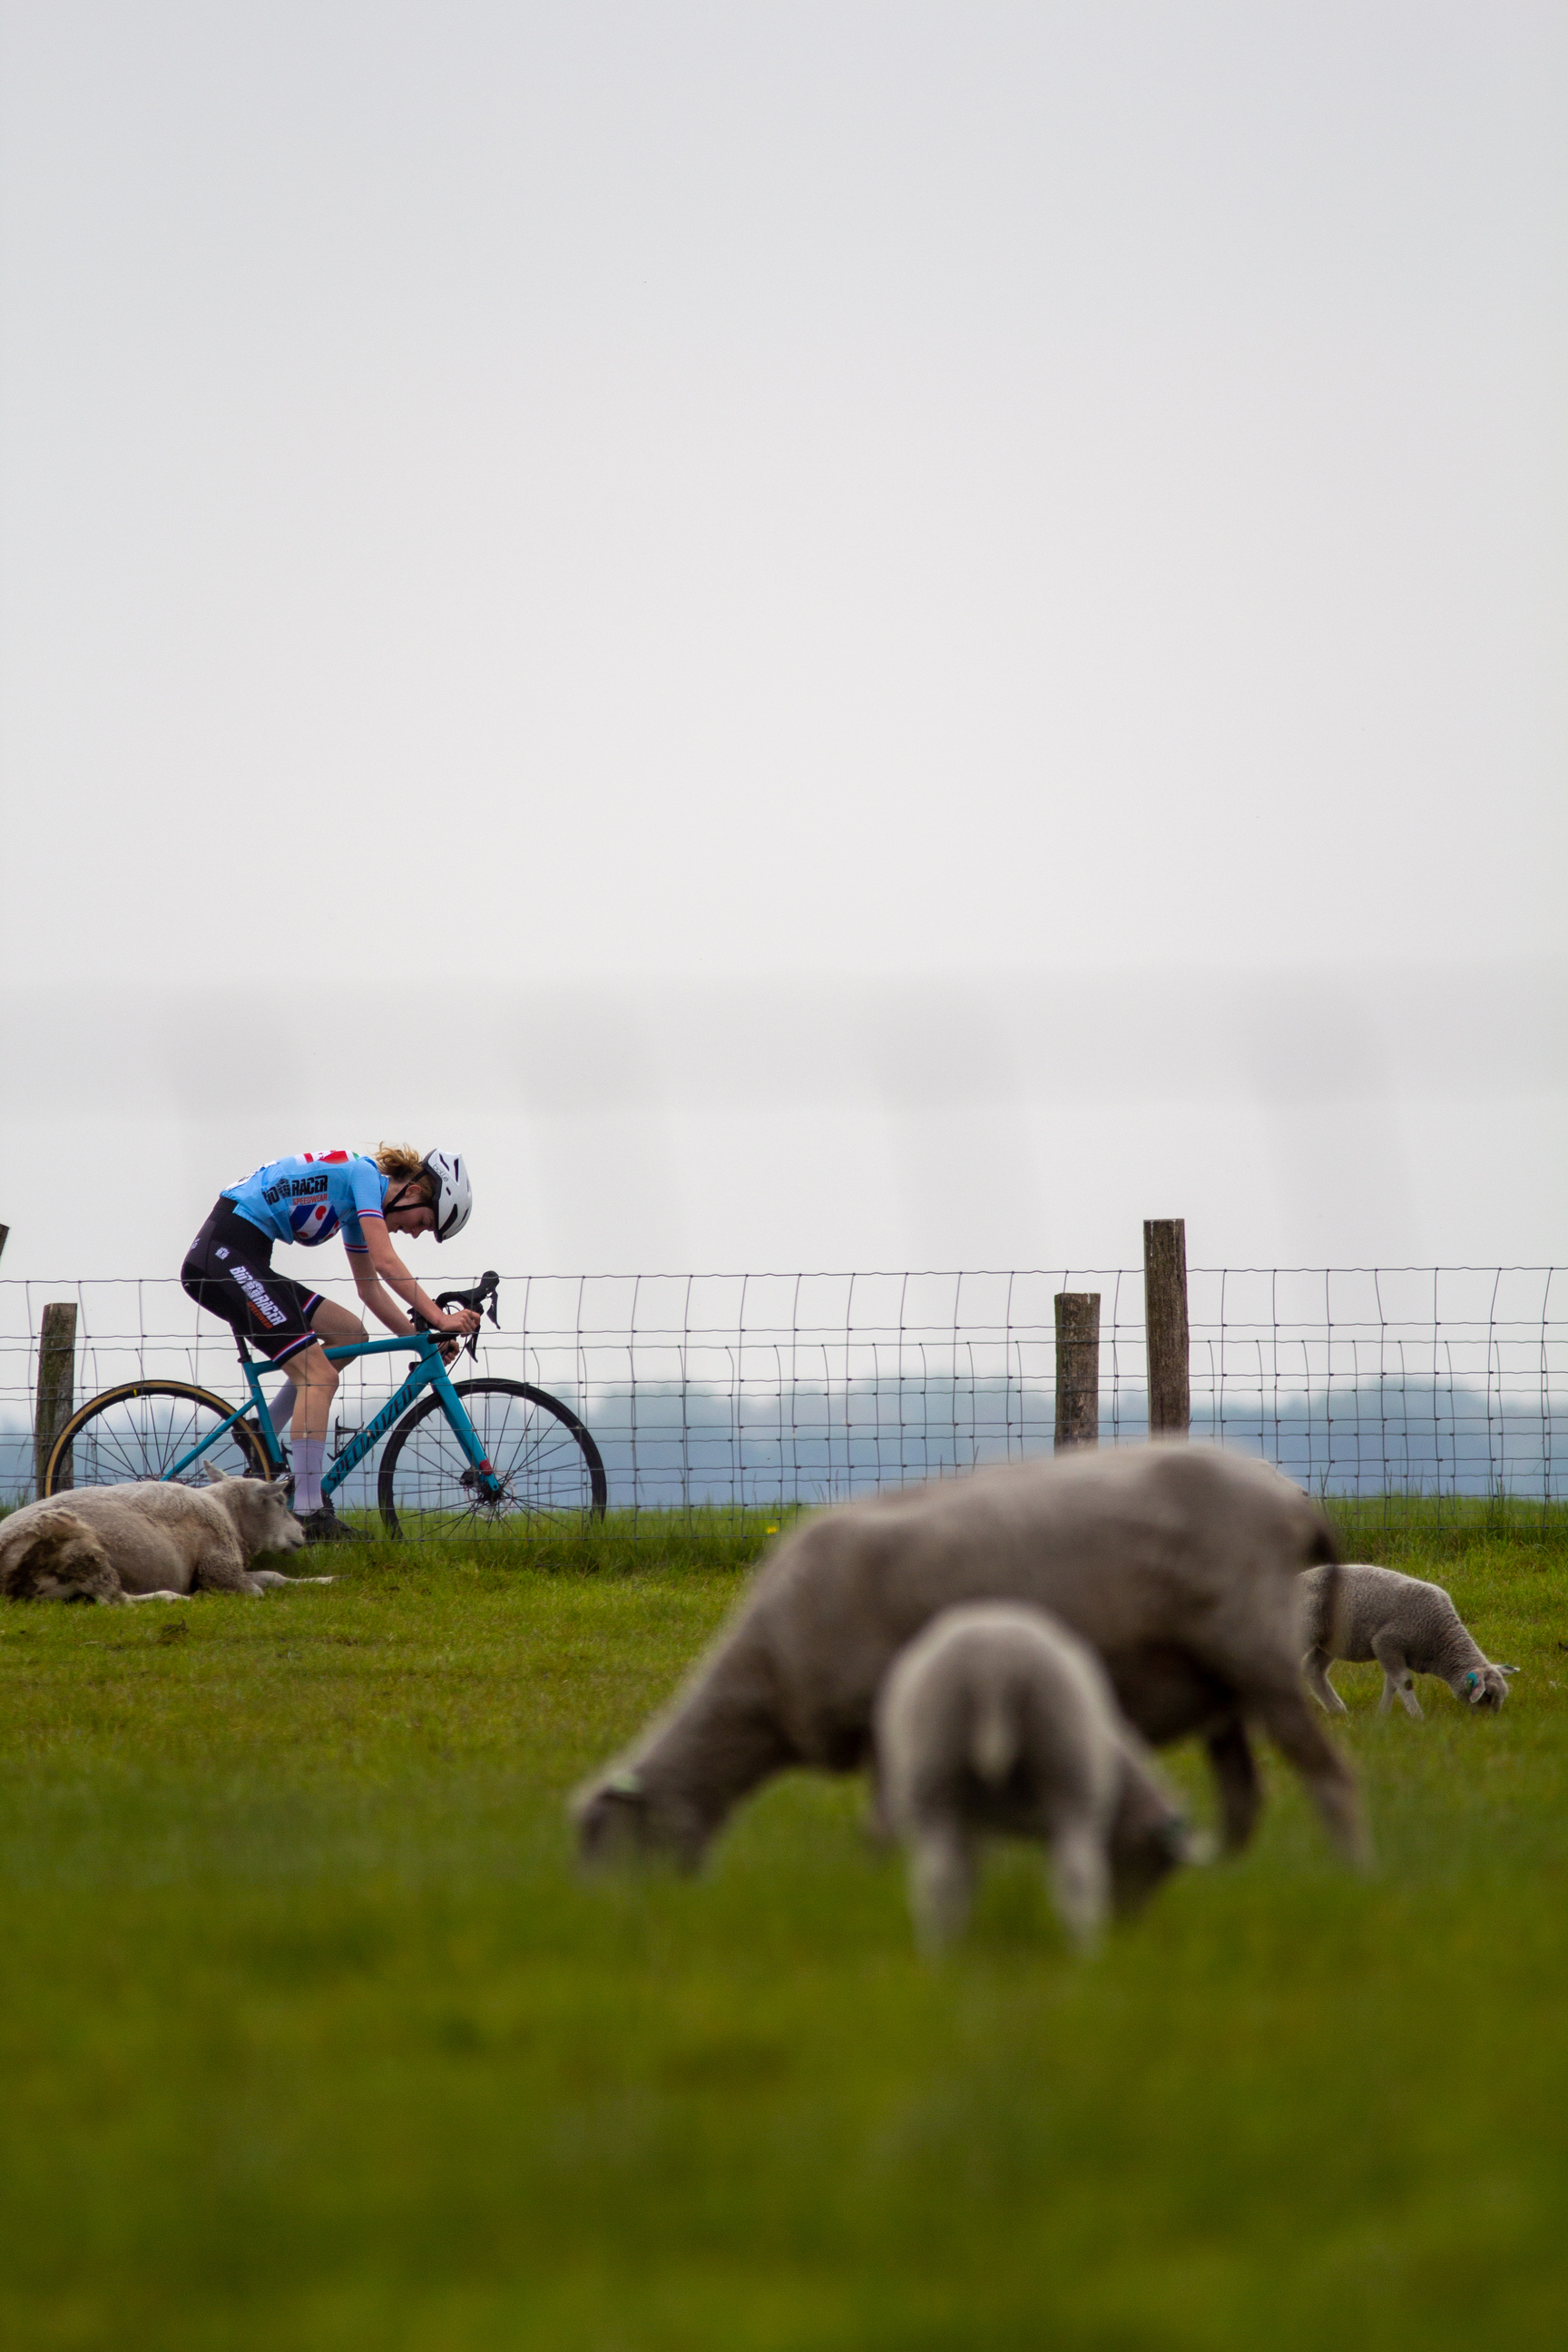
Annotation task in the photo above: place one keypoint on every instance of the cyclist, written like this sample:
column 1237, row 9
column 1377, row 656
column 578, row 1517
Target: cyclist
column 308, row 1199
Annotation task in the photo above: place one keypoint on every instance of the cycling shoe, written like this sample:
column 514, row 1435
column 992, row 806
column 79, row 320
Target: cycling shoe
column 325, row 1526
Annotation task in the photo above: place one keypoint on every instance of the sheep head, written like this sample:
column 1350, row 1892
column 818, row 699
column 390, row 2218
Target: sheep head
column 620, row 1818
column 259, row 1509
column 1150, row 1837
column 1486, row 1687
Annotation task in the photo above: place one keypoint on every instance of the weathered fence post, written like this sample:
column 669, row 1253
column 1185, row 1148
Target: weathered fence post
column 1165, row 1325
column 56, row 1386
column 1078, row 1368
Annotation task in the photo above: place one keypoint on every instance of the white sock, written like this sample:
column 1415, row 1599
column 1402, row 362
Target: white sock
column 308, row 1457
column 282, row 1408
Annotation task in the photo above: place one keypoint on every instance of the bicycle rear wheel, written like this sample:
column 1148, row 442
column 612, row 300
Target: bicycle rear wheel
column 141, row 1430
column 548, row 1464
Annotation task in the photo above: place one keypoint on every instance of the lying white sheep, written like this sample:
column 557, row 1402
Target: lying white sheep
column 997, row 1719
column 46, row 1553
column 1177, row 1563
column 148, row 1541
column 1408, row 1626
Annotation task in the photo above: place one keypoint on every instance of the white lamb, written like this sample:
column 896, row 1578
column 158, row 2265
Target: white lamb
column 997, row 1720
column 1408, row 1626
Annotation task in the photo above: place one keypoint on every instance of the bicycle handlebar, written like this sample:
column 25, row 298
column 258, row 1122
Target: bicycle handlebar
column 485, row 1288
column 481, row 1298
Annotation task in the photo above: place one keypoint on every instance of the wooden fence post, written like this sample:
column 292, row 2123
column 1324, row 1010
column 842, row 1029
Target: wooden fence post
column 1077, row 1369
column 56, row 1386
column 1165, row 1325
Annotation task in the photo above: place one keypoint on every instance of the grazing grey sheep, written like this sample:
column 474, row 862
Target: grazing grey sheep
column 149, row 1540
column 1176, row 1563
column 997, row 1719
column 1408, row 1626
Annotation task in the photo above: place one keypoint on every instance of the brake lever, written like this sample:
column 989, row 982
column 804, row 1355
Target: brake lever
column 481, row 1299
column 486, row 1301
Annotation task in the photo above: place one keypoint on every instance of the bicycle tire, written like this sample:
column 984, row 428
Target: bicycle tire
column 547, row 1461
column 121, row 1434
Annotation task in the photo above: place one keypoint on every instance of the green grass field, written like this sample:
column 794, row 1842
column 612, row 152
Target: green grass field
column 311, row 2037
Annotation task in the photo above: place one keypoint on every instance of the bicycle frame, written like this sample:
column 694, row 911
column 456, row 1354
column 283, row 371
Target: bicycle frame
column 430, row 1371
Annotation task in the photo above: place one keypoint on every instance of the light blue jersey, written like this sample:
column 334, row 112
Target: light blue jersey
column 310, row 1197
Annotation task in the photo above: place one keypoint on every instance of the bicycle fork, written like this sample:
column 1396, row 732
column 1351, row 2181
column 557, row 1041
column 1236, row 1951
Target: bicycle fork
column 479, row 1477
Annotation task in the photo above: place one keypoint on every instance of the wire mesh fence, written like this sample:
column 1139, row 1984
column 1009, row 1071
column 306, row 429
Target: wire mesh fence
column 755, row 1389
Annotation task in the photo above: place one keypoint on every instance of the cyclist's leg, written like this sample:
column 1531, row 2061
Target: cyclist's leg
column 337, row 1327
column 316, row 1380
column 316, row 1384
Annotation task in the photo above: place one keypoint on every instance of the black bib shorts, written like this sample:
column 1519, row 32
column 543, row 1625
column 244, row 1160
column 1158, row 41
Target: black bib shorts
column 228, row 1270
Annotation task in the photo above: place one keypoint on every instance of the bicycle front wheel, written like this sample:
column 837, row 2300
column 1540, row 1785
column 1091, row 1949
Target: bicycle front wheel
column 548, row 1464
column 141, row 1431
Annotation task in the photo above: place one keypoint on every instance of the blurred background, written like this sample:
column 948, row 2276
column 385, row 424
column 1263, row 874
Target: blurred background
column 850, row 636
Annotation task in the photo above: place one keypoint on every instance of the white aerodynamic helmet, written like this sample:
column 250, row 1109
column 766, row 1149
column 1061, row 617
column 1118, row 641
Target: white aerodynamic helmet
column 452, row 1194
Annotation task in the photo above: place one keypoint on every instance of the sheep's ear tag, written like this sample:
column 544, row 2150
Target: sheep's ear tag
column 1471, row 1680
column 624, row 1784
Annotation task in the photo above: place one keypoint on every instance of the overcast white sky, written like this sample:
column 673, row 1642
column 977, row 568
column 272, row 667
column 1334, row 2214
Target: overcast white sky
column 856, row 634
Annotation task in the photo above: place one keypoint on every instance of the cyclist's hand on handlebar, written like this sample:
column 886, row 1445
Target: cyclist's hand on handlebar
column 459, row 1326
column 463, row 1321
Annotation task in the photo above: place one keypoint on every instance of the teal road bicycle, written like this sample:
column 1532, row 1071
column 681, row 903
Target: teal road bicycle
column 460, row 1454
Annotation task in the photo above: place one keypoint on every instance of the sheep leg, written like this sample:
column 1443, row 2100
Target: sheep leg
column 129, row 1597
column 1396, row 1677
column 219, row 1574
column 877, row 1829
column 1402, row 1689
column 1315, row 1670
column 1240, row 1792
column 1081, row 1881
column 1330, row 1782
column 941, row 1883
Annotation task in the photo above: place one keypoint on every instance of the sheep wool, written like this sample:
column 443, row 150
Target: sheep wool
column 1178, row 1564
column 1408, row 1626
column 997, row 1721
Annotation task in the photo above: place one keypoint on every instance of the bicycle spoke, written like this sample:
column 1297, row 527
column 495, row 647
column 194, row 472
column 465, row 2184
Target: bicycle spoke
column 123, row 1437
column 543, row 1469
